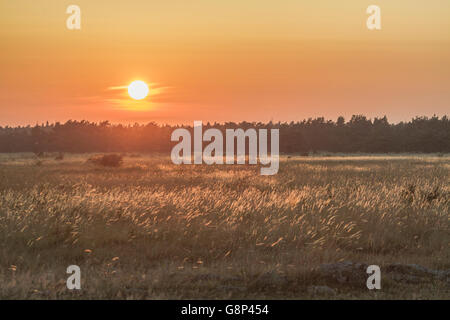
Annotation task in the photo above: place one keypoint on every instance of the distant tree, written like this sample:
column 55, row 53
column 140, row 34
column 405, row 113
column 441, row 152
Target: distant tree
column 359, row 134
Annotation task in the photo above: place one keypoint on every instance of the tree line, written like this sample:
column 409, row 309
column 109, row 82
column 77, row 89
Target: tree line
column 358, row 134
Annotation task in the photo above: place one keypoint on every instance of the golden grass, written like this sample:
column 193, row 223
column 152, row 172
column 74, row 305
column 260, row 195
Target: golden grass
column 151, row 229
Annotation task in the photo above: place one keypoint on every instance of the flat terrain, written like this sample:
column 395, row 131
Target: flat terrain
column 154, row 230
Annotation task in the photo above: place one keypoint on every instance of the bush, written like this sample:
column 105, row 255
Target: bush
column 107, row 160
column 39, row 154
column 134, row 155
column 304, row 154
column 60, row 156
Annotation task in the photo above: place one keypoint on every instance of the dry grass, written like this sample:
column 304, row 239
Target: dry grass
column 153, row 230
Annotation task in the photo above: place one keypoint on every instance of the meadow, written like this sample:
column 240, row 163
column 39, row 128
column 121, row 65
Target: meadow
column 154, row 230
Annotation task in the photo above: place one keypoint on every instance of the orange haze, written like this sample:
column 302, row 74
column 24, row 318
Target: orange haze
column 231, row 60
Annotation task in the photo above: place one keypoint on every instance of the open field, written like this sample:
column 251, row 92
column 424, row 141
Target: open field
column 154, row 230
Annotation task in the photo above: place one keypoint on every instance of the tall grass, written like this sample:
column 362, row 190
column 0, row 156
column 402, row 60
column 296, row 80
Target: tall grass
column 151, row 229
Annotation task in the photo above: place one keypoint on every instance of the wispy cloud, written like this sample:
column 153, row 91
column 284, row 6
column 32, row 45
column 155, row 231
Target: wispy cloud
column 153, row 86
column 122, row 101
column 117, row 88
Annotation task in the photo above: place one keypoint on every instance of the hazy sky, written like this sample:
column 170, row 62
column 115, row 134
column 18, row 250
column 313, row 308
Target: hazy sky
column 254, row 60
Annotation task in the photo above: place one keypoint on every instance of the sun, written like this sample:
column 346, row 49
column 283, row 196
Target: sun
column 138, row 90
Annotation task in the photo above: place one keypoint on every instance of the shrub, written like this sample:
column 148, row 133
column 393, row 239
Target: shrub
column 107, row 160
column 304, row 154
column 39, row 154
column 134, row 155
column 60, row 156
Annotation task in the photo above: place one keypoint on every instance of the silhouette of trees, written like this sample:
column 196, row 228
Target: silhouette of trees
column 359, row 134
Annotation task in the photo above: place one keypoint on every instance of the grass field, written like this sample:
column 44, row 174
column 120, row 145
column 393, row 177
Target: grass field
column 154, row 230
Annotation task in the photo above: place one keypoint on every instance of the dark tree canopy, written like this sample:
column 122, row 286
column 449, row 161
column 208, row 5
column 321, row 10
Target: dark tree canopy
column 359, row 134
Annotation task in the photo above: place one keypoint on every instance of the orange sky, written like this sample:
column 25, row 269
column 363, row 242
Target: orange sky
column 231, row 60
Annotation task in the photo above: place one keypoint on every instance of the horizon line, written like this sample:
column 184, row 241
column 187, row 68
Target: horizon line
column 221, row 123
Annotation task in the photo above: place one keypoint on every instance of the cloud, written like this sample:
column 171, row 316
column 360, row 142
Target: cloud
column 117, row 88
column 153, row 86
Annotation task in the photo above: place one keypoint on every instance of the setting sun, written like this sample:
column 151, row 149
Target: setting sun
column 138, row 90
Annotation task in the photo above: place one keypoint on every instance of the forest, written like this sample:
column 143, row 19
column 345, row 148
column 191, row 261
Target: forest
column 358, row 134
